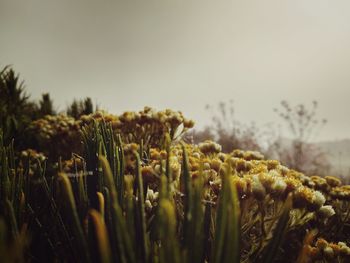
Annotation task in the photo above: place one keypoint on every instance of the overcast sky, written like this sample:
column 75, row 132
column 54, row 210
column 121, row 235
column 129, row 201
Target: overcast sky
column 184, row 54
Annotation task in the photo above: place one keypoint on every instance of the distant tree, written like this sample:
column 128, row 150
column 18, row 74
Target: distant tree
column 16, row 111
column 73, row 110
column 302, row 124
column 227, row 130
column 81, row 107
column 196, row 136
column 88, row 106
column 46, row 105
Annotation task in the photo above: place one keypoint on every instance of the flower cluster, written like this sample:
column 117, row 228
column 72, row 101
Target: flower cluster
column 262, row 185
column 73, row 165
column 325, row 251
column 148, row 127
column 258, row 179
column 209, row 147
column 56, row 135
column 151, row 200
column 32, row 155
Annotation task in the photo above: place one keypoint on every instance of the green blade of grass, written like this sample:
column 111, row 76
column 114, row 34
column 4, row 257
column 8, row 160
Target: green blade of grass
column 73, row 215
column 270, row 251
column 141, row 211
column 10, row 212
column 124, row 243
column 100, row 237
column 227, row 233
column 187, row 188
column 169, row 248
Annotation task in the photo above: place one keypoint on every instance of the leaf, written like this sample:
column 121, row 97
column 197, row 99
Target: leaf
column 141, row 217
column 169, row 248
column 69, row 202
column 100, row 236
column 125, row 249
column 279, row 232
column 227, row 232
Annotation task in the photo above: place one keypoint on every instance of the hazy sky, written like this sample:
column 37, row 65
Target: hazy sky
column 184, row 54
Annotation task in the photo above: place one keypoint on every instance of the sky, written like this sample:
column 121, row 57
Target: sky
column 184, row 54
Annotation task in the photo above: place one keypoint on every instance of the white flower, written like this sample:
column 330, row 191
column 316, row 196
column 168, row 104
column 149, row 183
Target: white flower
column 258, row 189
column 279, row 186
column 318, row 199
column 326, row 211
column 328, row 251
column 148, row 205
column 344, row 249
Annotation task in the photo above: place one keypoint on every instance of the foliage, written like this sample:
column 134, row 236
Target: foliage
column 46, row 106
column 15, row 109
column 80, row 107
column 126, row 188
column 176, row 202
column 58, row 136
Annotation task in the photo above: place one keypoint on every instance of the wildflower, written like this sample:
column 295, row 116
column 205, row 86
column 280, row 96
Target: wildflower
column 157, row 169
column 130, row 148
column 343, row 249
column 151, row 195
column 241, row 185
column 151, row 199
column 188, row 123
column 340, row 192
column 148, row 174
column 292, row 184
column 175, row 167
column 333, row 181
column 267, row 180
column 258, row 190
column 154, row 154
column 209, row 175
column 196, row 155
column 255, row 168
column 209, row 147
column 221, row 156
column 329, row 252
column 318, row 199
column 148, row 206
column 252, row 155
column 321, row 243
column 320, row 183
column 303, row 197
column 128, row 117
column 326, row 211
column 238, row 153
column 241, row 165
column 215, row 164
column 313, row 252
column 279, row 187
column 163, row 154
column 272, row 164
column 283, row 170
column 206, row 166
column 215, row 185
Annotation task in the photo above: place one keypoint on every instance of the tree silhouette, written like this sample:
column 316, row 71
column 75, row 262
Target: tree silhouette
column 46, row 105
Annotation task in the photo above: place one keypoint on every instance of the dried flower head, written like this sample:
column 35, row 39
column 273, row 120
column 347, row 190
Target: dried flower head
column 209, row 147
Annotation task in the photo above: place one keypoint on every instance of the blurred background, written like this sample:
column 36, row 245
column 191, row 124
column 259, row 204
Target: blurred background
column 267, row 75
